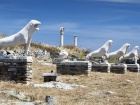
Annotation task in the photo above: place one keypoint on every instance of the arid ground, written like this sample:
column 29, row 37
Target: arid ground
column 100, row 88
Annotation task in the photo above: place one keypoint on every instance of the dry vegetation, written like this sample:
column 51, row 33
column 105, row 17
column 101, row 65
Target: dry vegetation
column 126, row 87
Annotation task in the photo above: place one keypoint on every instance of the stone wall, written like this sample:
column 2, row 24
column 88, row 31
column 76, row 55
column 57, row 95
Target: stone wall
column 18, row 70
column 74, row 67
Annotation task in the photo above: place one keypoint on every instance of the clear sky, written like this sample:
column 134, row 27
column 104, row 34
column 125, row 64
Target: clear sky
column 93, row 21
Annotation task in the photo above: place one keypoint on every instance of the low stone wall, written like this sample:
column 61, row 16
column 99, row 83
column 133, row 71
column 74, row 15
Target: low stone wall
column 74, row 67
column 18, row 70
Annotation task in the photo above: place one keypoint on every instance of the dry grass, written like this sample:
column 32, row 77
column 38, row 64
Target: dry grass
column 126, row 88
column 35, row 46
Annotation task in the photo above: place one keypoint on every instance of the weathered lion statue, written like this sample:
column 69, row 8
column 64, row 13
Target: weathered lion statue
column 103, row 51
column 132, row 54
column 122, row 51
column 22, row 37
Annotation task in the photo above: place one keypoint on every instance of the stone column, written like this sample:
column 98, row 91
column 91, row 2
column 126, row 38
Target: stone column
column 61, row 36
column 75, row 41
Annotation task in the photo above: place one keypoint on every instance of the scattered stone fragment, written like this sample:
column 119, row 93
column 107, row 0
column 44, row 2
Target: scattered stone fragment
column 129, row 81
column 58, row 85
column 103, row 92
column 21, row 96
column 132, row 103
column 51, row 100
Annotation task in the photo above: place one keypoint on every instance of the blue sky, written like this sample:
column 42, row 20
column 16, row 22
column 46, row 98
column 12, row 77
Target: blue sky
column 93, row 21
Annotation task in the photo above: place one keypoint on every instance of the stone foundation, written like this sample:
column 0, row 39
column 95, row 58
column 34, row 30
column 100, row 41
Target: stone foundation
column 74, row 67
column 18, row 70
column 133, row 67
column 118, row 68
column 101, row 67
column 48, row 77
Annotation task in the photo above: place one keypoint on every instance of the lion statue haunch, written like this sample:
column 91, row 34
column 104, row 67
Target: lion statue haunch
column 22, row 37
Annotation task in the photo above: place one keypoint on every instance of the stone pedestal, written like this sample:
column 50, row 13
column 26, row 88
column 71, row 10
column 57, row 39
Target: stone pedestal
column 101, row 67
column 74, row 67
column 49, row 77
column 133, row 67
column 118, row 68
column 18, row 70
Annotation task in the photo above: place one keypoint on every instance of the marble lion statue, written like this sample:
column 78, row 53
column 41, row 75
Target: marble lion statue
column 103, row 51
column 21, row 37
column 134, row 53
column 120, row 52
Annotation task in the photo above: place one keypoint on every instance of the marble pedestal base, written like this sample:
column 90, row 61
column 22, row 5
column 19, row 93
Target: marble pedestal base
column 133, row 67
column 101, row 67
column 118, row 68
column 73, row 67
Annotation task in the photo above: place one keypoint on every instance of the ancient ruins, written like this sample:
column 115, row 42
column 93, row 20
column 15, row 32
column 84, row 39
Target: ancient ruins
column 17, row 65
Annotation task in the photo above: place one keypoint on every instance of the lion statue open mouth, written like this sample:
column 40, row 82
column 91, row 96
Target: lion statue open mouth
column 22, row 37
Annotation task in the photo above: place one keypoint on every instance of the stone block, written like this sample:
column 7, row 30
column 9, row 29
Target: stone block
column 101, row 67
column 133, row 67
column 49, row 77
column 17, row 70
column 118, row 68
column 74, row 67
